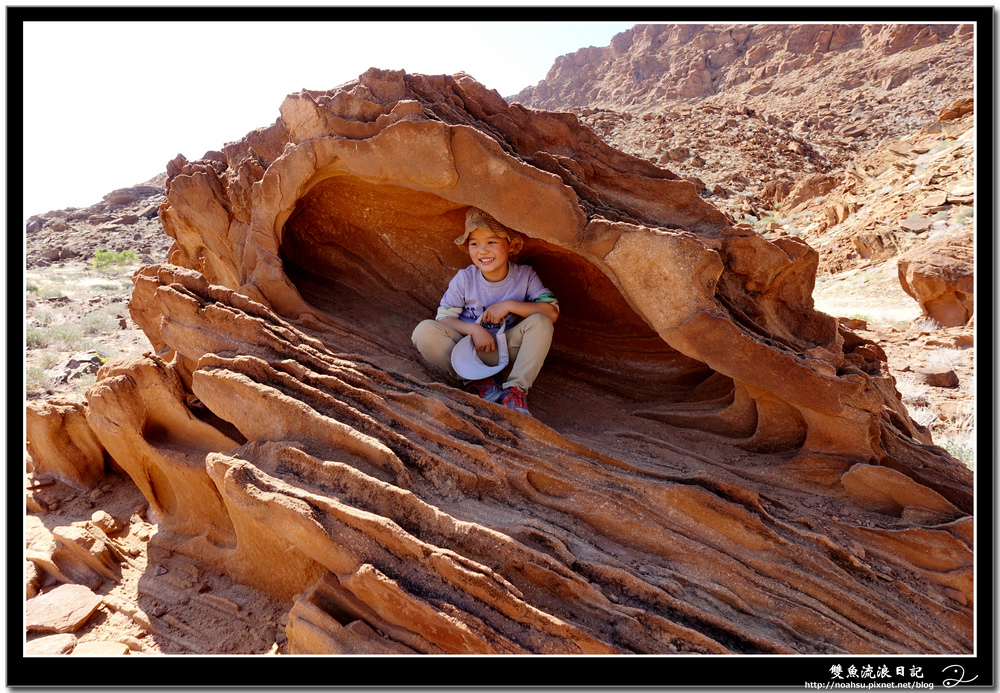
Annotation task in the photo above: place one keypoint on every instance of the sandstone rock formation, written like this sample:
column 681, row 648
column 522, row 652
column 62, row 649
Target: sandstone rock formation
column 714, row 466
column 62, row 444
column 940, row 276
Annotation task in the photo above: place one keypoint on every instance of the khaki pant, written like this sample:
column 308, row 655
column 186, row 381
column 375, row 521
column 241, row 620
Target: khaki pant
column 528, row 343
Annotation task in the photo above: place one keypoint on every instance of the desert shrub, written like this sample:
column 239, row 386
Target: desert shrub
column 84, row 344
column 97, row 322
column 47, row 359
column 945, row 356
column 35, row 379
column 51, row 293
column 962, row 448
column 35, row 338
column 103, row 259
column 910, row 388
column 965, row 216
column 44, row 318
column 31, row 288
column 68, row 334
column 924, row 416
column 926, row 325
column 105, row 287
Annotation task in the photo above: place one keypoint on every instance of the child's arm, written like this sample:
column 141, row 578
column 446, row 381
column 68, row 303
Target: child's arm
column 499, row 310
column 481, row 337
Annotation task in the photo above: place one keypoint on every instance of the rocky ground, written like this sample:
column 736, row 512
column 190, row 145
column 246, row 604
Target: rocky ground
column 861, row 182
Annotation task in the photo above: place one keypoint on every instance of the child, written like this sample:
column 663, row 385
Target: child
column 494, row 290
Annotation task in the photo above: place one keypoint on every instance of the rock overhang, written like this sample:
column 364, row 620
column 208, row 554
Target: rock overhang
column 369, row 188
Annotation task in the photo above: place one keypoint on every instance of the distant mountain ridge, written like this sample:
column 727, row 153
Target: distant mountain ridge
column 799, row 66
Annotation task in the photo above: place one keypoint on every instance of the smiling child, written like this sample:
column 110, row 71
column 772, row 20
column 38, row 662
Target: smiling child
column 489, row 293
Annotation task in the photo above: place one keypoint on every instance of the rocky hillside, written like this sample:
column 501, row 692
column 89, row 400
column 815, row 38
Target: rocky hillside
column 748, row 111
column 124, row 220
column 859, row 139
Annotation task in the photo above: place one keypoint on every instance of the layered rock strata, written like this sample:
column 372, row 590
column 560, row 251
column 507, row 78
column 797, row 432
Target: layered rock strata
column 714, row 466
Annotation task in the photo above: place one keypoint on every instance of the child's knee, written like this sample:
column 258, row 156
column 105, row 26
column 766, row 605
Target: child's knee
column 426, row 330
column 539, row 323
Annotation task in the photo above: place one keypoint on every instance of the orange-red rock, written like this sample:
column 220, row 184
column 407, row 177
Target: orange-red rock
column 940, row 275
column 682, row 487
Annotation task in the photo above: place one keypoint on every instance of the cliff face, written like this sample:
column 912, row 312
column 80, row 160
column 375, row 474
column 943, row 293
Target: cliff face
column 795, row 66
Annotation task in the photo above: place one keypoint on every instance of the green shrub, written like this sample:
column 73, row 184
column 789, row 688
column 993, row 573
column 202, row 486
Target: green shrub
column 965, row 216
column 962, row 450
column 103, row 259
column 35, row 338
column 68, row 334
column 35, row 379
column 47, row 359
column 97, row 322
column 31, row 288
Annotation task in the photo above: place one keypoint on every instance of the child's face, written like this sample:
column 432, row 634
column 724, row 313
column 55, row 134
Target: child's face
column 489, row 252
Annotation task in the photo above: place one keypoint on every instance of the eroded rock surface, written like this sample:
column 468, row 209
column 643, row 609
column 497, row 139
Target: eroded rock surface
column 714, row 466
column 940, row 276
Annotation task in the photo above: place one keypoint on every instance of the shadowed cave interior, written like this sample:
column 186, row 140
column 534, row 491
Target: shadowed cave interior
column 375, row 260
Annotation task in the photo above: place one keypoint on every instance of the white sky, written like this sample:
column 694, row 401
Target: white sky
column 108, row 104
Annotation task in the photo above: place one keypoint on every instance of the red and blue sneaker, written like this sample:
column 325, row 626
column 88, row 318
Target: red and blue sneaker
column 488, row 389
column 516, row 399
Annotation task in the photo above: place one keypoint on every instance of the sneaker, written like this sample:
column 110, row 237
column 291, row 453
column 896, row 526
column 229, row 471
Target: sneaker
column 516, row 399
column 487, row 389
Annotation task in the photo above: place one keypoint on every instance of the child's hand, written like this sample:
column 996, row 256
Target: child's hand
column 497, row 312
column 482, row 338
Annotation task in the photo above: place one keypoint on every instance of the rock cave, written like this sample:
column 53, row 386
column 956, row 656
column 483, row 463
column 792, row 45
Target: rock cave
column 713, row 466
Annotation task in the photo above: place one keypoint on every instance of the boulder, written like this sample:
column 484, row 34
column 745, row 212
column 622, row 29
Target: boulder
column 957, row 109
column 938, row 376
column 62, row 610
column 940, row 275
column 806, row 190
column 58, row 644
column 696, row 416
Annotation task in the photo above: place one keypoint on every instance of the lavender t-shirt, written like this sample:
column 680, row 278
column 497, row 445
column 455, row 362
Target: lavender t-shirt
column 469, row 294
